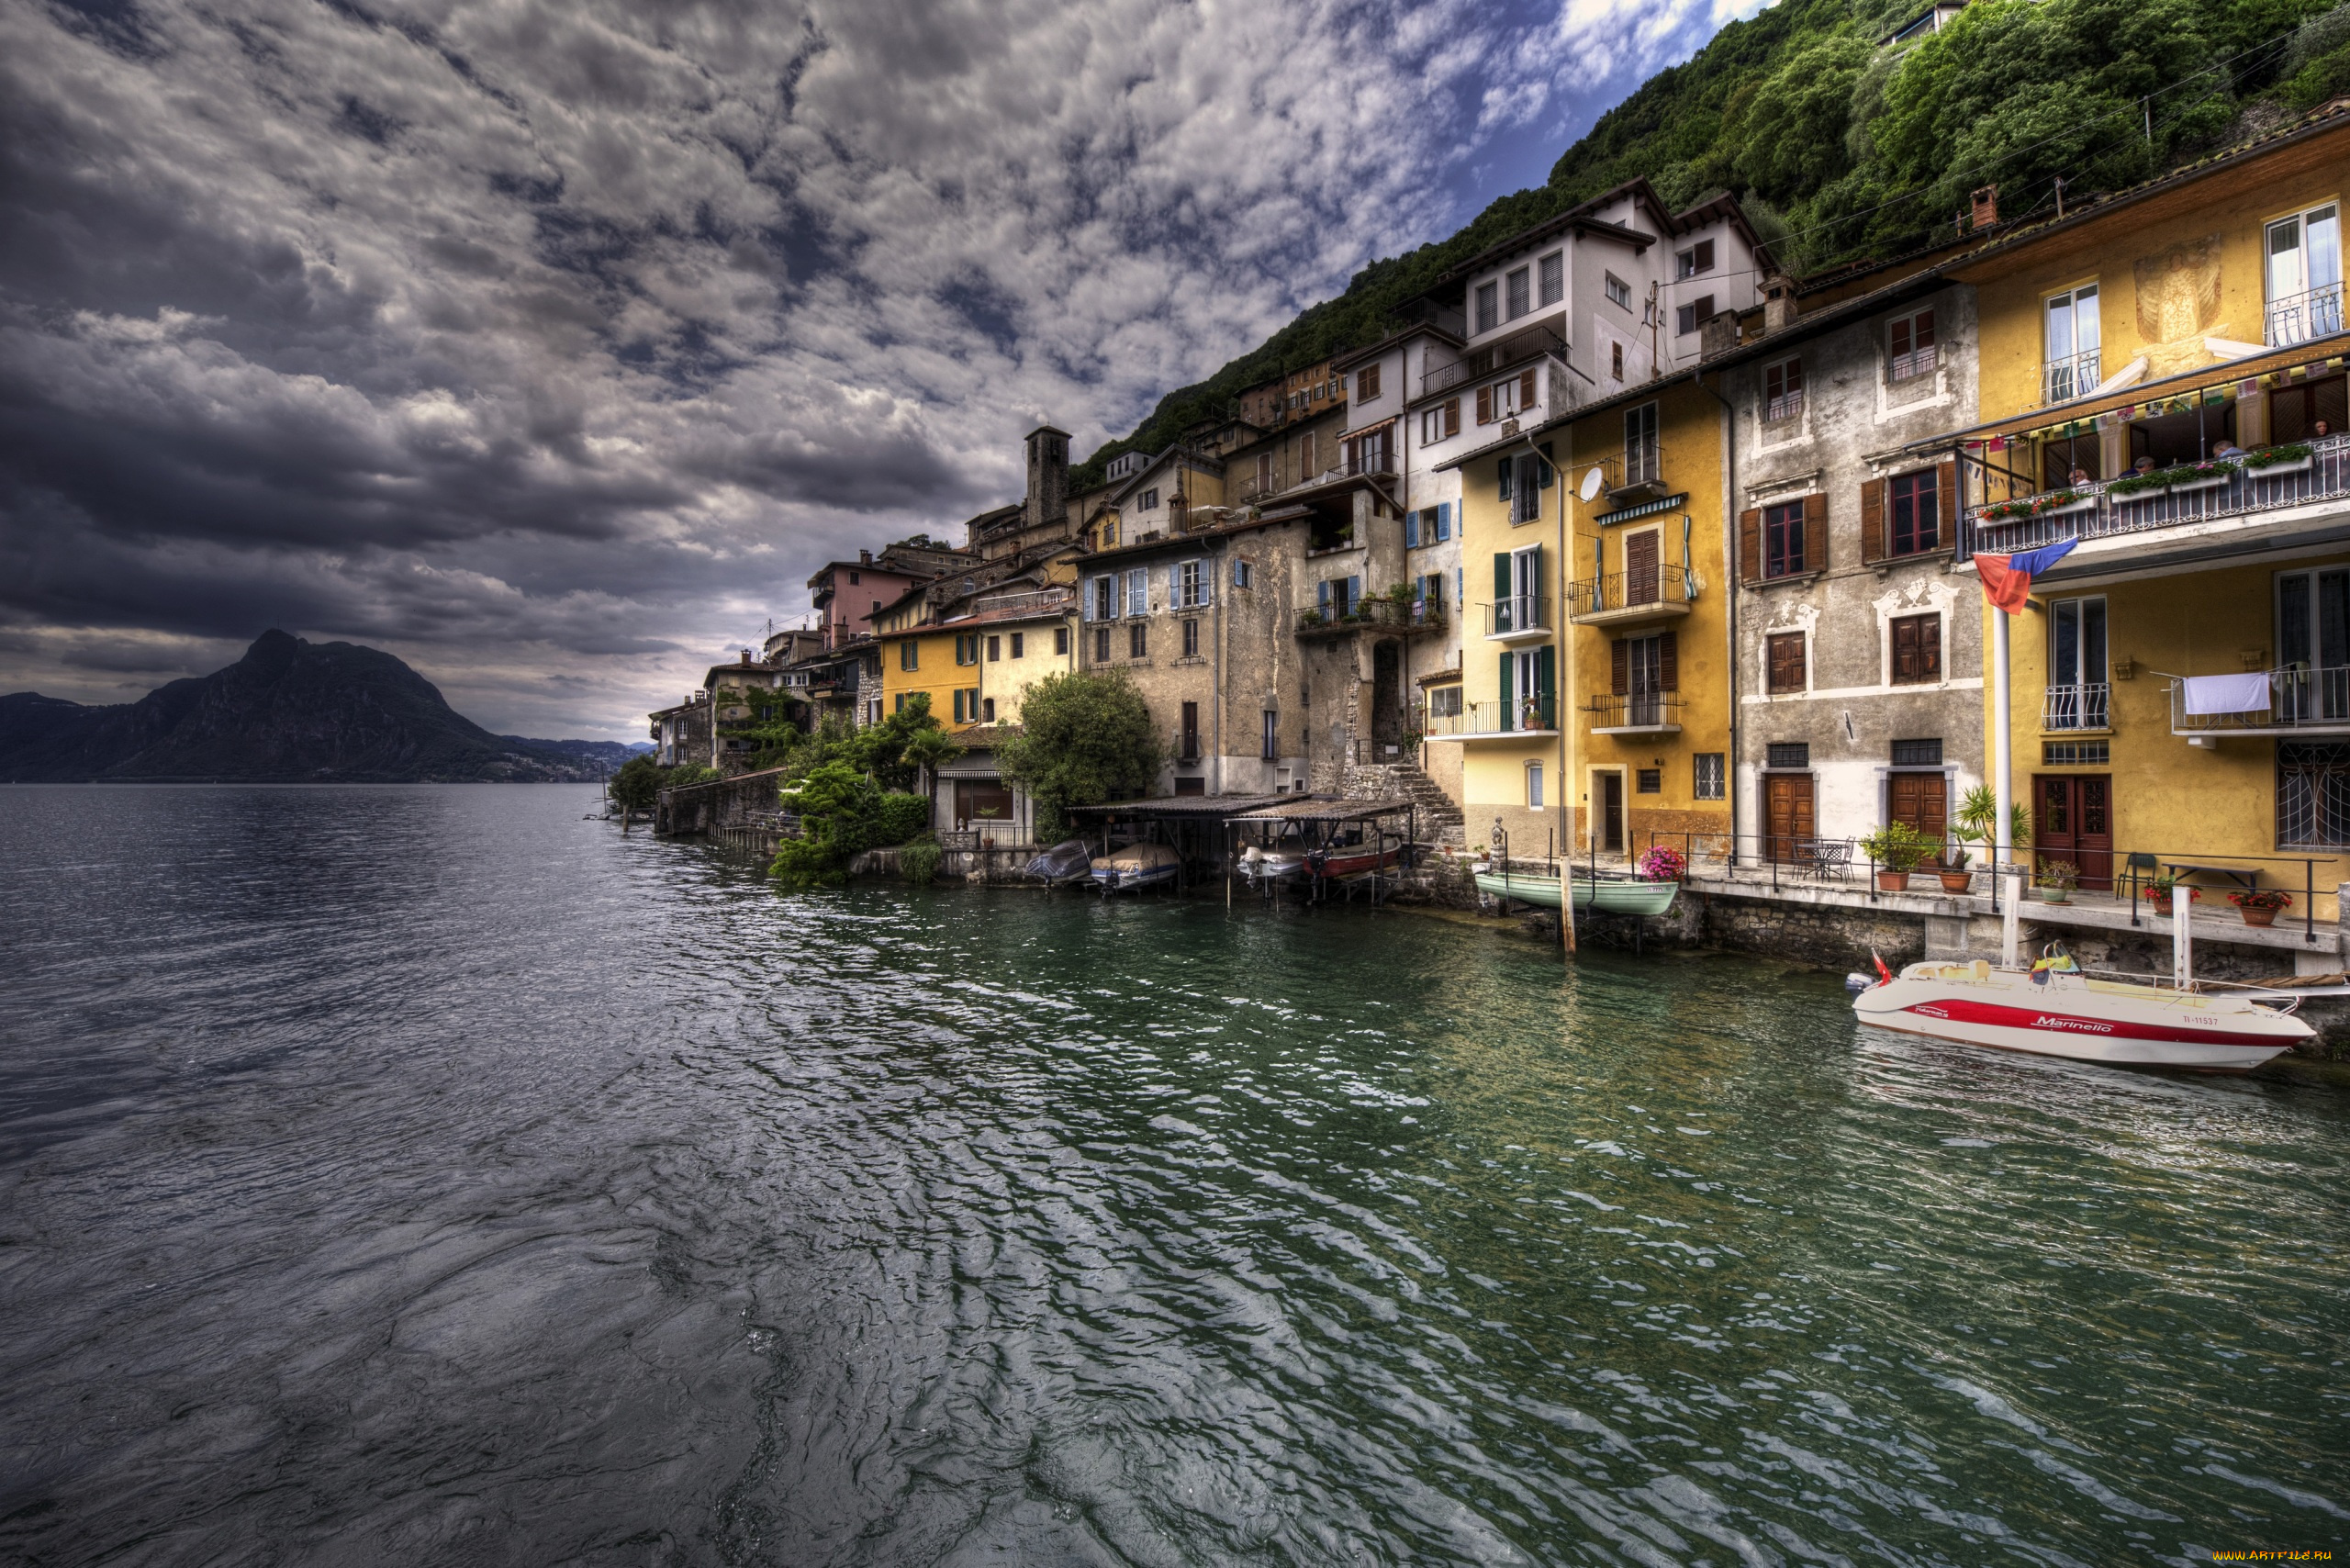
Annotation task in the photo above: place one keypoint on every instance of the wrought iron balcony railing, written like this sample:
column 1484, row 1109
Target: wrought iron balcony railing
column 2301, row 701
column 1519, row 613
column 1372, row 614
column 1636, row 711
column 2083, row 707
column 2224, row 489
column 1524, row 715
column 1666, row 584
column 1492, row 359
column 2075, row 375
column 2299, row 317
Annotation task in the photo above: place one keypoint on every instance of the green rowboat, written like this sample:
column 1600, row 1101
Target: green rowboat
column 1616, row 898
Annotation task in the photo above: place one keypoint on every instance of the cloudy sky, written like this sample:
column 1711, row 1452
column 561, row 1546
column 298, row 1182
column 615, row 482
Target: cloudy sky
column 552, row 345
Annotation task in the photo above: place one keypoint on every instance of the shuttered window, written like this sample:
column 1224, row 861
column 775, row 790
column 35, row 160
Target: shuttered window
column 1554, row 277
column 1785, row 652
column 1909, row 346
column 1913, row 513
column 1916, row 650
column 1367, row 384
column 1782, row 540
column 1782, row 389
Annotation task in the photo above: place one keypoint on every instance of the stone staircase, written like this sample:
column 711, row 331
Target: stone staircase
column 1439, row 818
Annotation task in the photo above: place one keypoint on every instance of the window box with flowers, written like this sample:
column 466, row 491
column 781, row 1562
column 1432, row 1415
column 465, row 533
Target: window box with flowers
column 2275, row 462
column 2201, row 476
column 2260, row 906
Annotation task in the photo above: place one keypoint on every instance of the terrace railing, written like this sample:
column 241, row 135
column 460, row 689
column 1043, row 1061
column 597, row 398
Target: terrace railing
column 2224, row 489
column 1491, row 359
column 2299, row 317
column 2087, row 706
column 2075, row 375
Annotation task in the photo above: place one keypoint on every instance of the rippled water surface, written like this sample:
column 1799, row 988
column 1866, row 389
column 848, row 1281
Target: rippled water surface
column 428, row 1175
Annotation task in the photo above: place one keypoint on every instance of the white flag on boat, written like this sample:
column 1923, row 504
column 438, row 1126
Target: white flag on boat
column 2227, row 693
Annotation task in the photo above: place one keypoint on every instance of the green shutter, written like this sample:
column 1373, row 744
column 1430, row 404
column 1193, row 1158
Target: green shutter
column 1501, row 575
column 1546, row 673
column 1537, row 554
column 1508, row 722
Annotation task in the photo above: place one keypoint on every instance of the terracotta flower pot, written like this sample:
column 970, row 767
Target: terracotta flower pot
column 1957, row 881
column 2258, row 917
column 1893, row 882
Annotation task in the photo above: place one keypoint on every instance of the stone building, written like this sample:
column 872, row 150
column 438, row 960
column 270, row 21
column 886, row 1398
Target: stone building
column 682, row 733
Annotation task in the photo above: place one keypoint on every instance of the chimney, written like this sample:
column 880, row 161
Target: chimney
column 1986, row 207
column 746, row 655
column 1778, row 303
column 1717, row 333
column 1047, row 499
column 865, row 557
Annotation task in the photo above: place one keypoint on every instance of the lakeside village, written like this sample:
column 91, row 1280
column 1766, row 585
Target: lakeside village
column 1627, row 550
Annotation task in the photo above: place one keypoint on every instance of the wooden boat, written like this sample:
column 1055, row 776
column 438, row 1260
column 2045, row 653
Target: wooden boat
column 1611, row 896
column 2058, row 1013
column 1136, row 866
column 1350, row 859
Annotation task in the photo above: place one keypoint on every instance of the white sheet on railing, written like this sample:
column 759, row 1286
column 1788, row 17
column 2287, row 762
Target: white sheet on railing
column 2227, row 693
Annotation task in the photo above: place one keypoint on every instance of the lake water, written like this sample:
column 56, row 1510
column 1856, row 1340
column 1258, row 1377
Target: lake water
column 428, row 1175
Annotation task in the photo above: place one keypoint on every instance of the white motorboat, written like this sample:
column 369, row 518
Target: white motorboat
column 1136, row 866
column 2060, row 1012
column 1260, row 865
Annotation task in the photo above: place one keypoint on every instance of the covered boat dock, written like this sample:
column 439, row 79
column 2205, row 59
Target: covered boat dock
column 1326, row 830
column 1192, row 825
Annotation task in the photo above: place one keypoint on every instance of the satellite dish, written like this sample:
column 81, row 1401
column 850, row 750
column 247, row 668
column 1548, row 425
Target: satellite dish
column 1591, row 483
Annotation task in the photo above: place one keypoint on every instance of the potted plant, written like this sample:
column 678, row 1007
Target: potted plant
column 2260, row 906
column 2158, row 890
column 1310, row 618
column 1661, row 865
column 1978, row 810
column 1899, row 849
column 2274, row 462
column 1956, row 877
column 2064, row 501
column 2057, row 878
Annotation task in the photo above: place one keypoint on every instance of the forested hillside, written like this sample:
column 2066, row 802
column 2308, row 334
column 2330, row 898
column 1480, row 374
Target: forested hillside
column 1841, row 146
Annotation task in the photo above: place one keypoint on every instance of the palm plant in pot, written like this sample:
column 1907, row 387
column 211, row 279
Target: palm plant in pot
column 2057, row 878
column 1955, row 875
column 1899, row 849
column 2260, row 905
column 1978, row 815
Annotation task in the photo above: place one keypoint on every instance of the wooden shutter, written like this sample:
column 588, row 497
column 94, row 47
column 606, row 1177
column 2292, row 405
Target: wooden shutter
column 1946, row 502
column 1485, row 405
column 1872, row 520
column 1905, row 651
column 1501, row 575
column 1750, row 544
column 1411, row 530
column 1619, row 667
column 1929, row 648
column 1509, row 720
column 1546, row 679
column 1452, row 416
column 1525, row 391
column 1668, row 661
column 1815, row 533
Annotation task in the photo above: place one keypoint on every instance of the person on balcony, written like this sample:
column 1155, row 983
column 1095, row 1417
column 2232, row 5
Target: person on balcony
column 2078, row 477
column 2143, row 465
column 2227, row 449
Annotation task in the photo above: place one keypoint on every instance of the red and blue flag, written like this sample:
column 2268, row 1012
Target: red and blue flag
column 2007, row 579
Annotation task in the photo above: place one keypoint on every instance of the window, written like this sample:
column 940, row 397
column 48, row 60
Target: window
column 1782, row 540
column 1697, row 260
column 1264, row 473
column 1101, row 646
column 1138, row 640
column 1441, row 422
column 1616, row 360
column 1060, row 641
column 1506, row 399
column 1103, row 603
column 1784, row 657
column 1909, row 346
column 852, row 576
column 2076, row 754
column 1019, row 645
column 1241, row 572
column 2305, row 276
column 1444, row 702
column 995, row 650
column 1695, row 314
column 1521, row 297
column 1788, row 754
column 909, row 654
column 1917, row 754
column 1109, row 531
column 967, row 650
column 1554, row 277
column 1148, row 500
column 1643, row 458
column 1917, row 514
column 967, row 705
column 2078, row 688
column 1523, row 479
column 1782, row 390
column 2312, row 795
column 1916, row 650
column 1336, row 597
column 1534, row 785
column 2069, row 356
column 1190, row 737
column 1191, row 584
column 2313, row 643
column 1708, row 781
column 1191, row 639
column 1648, row 781
column 987, row 709
column 1618, row 292
column 1271, row 740
column 1138, row 591
column 1488, row 306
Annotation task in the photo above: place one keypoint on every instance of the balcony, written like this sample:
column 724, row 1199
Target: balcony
column 1448, row 319
column 2302, row 701
column 1411, row 619
column 1527, row 343
column 2085, row 707
column 1624, row 598
column 1521, row 618
column 1640, row 714
column 1784, row 406
column 2299, row 318
column 1909, row 367
column 2216, row 492
column 1632, row 475
column 1527, row 718
column 2077, row 376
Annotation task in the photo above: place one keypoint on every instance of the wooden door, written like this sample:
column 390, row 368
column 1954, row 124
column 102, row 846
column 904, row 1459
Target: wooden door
column 2072, row 820
column 1611, row 812
column 1787, row 802
column 1640, row 568
column 1922, row 800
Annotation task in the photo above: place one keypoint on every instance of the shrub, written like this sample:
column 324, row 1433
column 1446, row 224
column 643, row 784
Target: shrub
column 1083, row 735
column 897, row 818
column 920, row 861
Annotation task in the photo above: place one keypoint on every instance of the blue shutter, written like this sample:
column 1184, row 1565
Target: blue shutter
column 1411, row 530
column 1322, row 597
column 1460, row 588
column 1444, row 521
column 1354, row 592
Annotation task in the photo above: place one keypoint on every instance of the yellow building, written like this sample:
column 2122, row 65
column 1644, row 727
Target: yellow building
column 2162, row 383
column 920, row 655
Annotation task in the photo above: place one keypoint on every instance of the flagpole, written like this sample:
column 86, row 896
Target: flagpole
column 2003, row 788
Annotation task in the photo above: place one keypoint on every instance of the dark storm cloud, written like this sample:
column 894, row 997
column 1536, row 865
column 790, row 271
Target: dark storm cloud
column 552, row 345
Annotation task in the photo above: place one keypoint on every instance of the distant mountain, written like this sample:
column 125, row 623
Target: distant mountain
column 289, row 712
